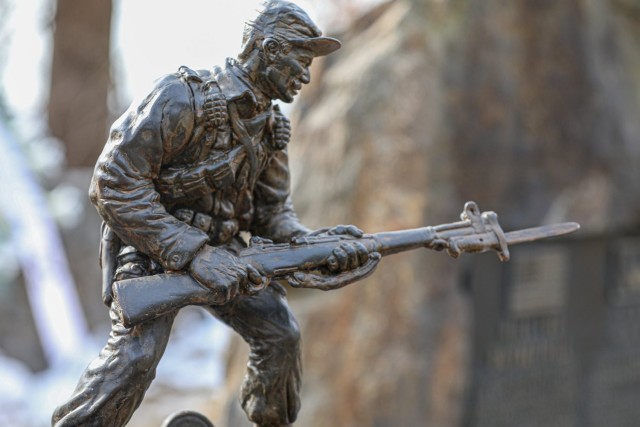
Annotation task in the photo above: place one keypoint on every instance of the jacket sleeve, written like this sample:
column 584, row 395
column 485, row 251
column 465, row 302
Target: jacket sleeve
column 274, row 217
column 122, row 188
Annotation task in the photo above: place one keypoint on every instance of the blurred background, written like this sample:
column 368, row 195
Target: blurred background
column 529, row 107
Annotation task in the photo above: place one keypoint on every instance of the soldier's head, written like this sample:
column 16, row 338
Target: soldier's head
column 279, row 46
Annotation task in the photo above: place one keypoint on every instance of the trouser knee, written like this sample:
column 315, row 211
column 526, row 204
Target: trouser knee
column 143, row 366
column 290, row 338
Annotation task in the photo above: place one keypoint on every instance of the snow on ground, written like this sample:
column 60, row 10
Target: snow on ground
column 193, row 362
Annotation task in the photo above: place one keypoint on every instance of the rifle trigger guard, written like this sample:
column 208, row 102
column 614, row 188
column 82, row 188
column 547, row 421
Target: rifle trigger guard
column 328, row 283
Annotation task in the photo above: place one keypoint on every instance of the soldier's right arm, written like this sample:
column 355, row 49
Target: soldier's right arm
column 147, row 136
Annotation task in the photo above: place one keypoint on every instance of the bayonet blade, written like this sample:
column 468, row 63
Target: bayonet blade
column 541, row 232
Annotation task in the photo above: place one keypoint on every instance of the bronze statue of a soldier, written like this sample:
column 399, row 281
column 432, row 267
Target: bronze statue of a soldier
column 202, row 158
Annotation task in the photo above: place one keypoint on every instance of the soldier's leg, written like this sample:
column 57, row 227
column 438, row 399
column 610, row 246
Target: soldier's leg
column 270, row 392
column 113, row 385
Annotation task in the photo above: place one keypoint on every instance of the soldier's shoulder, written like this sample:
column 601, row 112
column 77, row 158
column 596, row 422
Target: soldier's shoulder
column 172, row 92
column 172, row 86
column 185, row 81
column 197, row 91
column 194, row 76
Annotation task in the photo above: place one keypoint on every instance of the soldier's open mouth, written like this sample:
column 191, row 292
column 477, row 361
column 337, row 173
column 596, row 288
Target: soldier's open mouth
column 295, row 87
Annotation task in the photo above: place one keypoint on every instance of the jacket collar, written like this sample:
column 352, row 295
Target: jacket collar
column 235, row 85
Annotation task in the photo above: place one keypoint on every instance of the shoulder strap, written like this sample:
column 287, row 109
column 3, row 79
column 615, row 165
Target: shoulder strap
column 189, row 75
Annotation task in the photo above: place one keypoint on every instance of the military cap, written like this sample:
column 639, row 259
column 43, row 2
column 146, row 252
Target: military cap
column 283, row 20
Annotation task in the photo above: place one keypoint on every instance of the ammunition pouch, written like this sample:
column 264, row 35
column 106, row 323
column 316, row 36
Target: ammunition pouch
column 195, row 181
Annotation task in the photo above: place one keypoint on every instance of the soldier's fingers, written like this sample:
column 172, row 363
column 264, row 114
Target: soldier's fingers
column 354, row 231
column 338, row 229
column 232, row 290
column 282, row 126
column 297, row 280
column 350, row 230
column 352, row 255
column 342, row 258
column 293, row 282
column 375, row 257
column 332, row 263
column 254, row 275
column 320, row 231
column 363, row 253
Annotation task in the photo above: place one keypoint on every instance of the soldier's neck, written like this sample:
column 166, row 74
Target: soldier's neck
column 252, row 69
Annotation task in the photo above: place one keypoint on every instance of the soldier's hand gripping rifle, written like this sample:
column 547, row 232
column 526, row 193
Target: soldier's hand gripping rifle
column 303, row 261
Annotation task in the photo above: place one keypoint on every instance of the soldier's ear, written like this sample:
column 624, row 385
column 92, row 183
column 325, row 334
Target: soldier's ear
column 271, row 48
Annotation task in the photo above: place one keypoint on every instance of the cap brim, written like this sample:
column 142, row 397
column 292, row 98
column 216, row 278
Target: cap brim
column 320, row 46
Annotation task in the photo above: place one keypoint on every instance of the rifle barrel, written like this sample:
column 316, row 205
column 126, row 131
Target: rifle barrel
column 392, row 242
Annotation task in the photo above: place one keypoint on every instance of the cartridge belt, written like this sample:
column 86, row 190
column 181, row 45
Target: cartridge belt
column 220, row 231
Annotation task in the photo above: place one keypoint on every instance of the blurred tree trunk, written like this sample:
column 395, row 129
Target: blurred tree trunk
column 80, row 78
column 79, row 117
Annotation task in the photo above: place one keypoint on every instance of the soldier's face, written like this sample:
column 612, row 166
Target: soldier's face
column 287, row 72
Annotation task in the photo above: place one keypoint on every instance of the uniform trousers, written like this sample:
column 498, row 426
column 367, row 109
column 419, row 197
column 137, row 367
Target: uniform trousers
column 113, row 385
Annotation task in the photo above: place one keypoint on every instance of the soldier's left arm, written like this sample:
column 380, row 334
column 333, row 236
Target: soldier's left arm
column 274, row 216
column 275, row 219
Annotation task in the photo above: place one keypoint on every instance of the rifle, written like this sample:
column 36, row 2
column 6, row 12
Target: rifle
column 144, row 298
